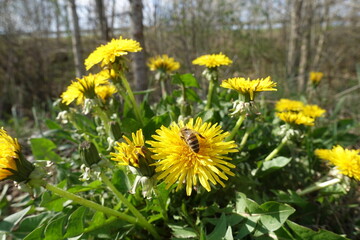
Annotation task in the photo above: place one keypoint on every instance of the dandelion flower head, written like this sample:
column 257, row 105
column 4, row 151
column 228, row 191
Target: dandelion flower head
column 107, row 53
column 105, row 91
column 163, row 63
column 128, row 152
column 297, row 118
column 298, row 113
column 315, row 77
column 289, row 105
column 212, row 60
column 9, row 152
column 248, row 87
column 87, row 87
column 178, row 162
column 347, row 161
column 313, row 111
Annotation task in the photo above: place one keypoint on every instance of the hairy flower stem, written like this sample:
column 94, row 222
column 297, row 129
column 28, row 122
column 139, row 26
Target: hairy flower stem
column 236, row 127
column 140, row 218
column 98, row 207
column 244, row 139
column 163, row 88
column 210, row 94
column 278, row 148
column 317, row 186
column 131, row 97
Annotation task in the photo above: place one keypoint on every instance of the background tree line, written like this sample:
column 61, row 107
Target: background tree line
column 43, row 43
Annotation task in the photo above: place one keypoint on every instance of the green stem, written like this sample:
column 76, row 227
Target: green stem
column 163, row 89
column 318, row 186
column 141, row 219
column 89, row 204
column 278, row 148
column 210, row 94
column 131, row 97
column 244, row 140
column 105, row 119
column 236, row 127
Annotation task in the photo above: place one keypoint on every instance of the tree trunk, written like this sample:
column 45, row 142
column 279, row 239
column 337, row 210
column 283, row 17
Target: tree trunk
column 103, row 26
column 305, row 44
column 139, row 58
column 325, row 19
column 293, row 47
column 76, row 40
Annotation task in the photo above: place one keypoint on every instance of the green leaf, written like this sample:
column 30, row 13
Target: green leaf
column 9, row 222
column 303, row 233
column 248, row 227
column 121, row 181
column 228, row 234
column 36, row 234
column 97, row 220
column 191, row 95
column 55, row 228
column 42, row 149
column 75, row 224
column 274, row 214
column 243, row 203
column 187, row 79
column 273, row 165
column 180, row 231
column 220, row 229
column 52, row 202
column 84, row 124
column 29, row 223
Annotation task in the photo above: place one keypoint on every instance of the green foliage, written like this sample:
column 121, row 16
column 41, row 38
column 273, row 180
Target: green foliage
column 263, row 200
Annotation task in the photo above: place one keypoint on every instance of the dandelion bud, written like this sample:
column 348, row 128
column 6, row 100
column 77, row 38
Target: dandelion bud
column 13, row 164
column 145, row 163
column 115, row 130
column 88, row 153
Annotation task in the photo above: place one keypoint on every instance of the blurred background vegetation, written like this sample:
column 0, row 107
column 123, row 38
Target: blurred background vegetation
column 43, row 44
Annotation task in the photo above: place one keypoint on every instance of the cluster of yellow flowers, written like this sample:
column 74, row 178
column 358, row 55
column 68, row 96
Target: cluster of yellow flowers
column 177, row 161
column 298, row 113
column 183, row 153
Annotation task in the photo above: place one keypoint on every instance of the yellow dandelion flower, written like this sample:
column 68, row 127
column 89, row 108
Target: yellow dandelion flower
column 128, row 152
column 163, row 63
column 248, row 87
column 297, row 118
column 191, row 153
column 347, row 161
column 12, row 164
column 212, row 60
column 289, row 105
column 109, row 52
column 315, row 77
column 313, row 111
column 86, row 87
column 105, row 91
column 9, row 151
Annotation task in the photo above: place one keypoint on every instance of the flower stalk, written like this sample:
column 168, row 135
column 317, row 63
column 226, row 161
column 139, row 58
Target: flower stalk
column 140, row 218
column 210, row 94
column 131, row 97
column 98, row 207
column 278, row 148
column 318, row 186
column 236, row 127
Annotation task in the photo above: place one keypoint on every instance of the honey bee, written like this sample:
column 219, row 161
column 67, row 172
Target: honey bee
column 190, row 138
